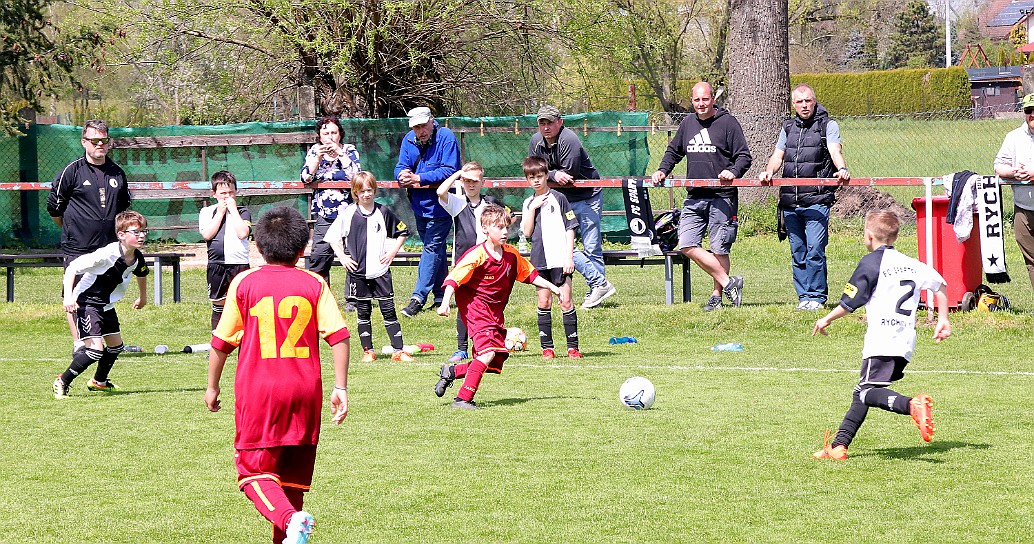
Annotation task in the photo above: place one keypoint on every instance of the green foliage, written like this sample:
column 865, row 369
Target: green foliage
column 916, row 41
column 890, row 92
column 724, row 455
column 37, row 58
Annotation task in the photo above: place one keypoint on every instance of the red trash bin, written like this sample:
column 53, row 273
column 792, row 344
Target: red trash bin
column 960, row 264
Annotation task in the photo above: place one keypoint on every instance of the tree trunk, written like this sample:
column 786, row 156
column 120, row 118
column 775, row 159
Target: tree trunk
column 759, row 76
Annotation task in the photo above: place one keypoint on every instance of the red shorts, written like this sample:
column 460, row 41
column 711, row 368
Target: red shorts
column 290, row 466
column 491, row 338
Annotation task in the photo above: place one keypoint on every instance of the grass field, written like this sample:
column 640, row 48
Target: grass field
column 724, row 456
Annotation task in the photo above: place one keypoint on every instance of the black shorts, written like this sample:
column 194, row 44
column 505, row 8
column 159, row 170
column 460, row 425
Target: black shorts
column 96, row 322
column 360, row 288
column 556, row 276
column 881, row 371
column 219, row 277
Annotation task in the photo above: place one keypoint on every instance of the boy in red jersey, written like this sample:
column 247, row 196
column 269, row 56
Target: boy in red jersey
column 482, row 281
column 276, row 314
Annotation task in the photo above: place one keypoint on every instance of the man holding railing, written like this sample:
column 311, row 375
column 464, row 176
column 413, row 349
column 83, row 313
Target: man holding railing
column 712, row 142
column 568, row 162
column 84, row 199
column 1015, row 161
column 808, row 147
column 428, row 156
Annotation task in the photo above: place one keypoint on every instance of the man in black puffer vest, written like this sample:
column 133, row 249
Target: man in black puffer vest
column 808, row 147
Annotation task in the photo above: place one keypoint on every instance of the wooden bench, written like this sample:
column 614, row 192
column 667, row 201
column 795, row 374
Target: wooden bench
column 614, row 257
column 37, row 260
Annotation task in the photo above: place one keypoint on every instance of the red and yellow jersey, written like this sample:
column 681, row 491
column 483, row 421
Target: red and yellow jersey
column 277, row 315
column 483, row 284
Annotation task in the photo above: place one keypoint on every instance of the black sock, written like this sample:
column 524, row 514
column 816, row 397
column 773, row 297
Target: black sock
column 853, row 420
column 546, row 328
column 391, row 322
column 217, row 312
column 887, row 399
column 81, row 360
column 461, row 335
column 571, row 328
column 363, row 310
column 106, row 362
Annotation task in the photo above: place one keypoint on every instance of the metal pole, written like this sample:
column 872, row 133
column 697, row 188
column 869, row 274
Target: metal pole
column 947, row 35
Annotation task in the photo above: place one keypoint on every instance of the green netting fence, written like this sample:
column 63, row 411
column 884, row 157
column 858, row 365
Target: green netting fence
column 39, row 156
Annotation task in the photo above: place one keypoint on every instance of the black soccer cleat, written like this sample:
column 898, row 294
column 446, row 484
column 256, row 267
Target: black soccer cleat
column 446, row 376
column 412, row 308
column 461, row 404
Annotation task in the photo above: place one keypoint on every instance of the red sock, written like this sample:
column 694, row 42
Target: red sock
column 459, row 370
column 475, row 371
column 271, row 501
column 296, row 497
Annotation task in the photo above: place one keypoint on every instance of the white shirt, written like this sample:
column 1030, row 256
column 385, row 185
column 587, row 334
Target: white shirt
column 1018, row 148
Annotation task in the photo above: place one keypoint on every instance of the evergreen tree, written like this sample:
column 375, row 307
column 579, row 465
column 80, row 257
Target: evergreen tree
column 917, row 41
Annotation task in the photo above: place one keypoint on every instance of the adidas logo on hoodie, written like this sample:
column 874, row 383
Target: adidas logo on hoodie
column 701, row 143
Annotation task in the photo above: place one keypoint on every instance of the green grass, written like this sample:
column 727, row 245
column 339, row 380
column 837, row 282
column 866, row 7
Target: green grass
column 724, row 456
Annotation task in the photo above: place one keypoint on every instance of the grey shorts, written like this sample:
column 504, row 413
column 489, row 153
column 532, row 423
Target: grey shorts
column 716, row 216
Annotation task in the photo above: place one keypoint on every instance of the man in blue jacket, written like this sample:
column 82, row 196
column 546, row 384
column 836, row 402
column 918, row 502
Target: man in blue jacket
column 429, row 155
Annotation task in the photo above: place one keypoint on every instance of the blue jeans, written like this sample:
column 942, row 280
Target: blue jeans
column 589, row 263
column 430, row 274
column 807, row 228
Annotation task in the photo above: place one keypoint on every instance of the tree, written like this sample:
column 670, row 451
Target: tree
column 917, row 41
column 369, row 58
column 759, row 72
column 38, row 58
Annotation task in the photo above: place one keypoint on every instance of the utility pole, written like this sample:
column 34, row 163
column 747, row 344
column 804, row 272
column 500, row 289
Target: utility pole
column 947, row 34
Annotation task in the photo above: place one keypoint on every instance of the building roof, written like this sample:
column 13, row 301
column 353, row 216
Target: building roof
column 1012, row 13
column 995, row 73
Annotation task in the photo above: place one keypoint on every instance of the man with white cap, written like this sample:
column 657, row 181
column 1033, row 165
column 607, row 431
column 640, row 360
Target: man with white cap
column 567, row 162
column 428, row 156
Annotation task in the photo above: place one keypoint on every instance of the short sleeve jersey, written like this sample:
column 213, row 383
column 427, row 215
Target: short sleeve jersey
column 366, row 236
column 223, row 249
column 105, row 276
column 483, row 284
column 553, row 219
column 889, row 285
column 277, row 315
column 467, row 220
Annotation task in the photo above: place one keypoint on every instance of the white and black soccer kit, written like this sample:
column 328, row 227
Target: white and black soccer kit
column 365, row 238
column 467, row 221
column 228, row 255
column 549, row 253
column 549, row 247
column 105, row 277
column 87, row 197
column 889, row 285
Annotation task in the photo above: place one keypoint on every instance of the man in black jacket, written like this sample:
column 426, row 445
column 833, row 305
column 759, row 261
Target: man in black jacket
column 85, row 197
column 808, row 147
column 713, row 145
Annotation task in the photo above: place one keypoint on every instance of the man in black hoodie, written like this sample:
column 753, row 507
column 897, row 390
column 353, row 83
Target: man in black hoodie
column 713, row 145
column 808, row 147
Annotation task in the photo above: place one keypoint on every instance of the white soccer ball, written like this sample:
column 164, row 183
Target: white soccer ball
column 516, row 340
column 637, row 393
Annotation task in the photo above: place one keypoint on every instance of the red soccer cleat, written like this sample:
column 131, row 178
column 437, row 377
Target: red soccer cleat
column 573, row 353
column 548, row 354
column 921, row 407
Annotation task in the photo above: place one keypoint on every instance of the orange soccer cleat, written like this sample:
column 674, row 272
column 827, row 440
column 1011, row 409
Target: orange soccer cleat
column 836, row 453
column 921, row 407
column 369, row 356
column 402, row 357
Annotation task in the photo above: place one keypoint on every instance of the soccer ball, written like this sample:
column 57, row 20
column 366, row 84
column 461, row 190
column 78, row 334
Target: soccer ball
column 637, row 393
column 516, row 340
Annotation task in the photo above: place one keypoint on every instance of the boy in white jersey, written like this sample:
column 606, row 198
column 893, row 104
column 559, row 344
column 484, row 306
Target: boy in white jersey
column 466, row 212
column 889, row 284
column 549, row 221
column 366, row 236
column 225, row 227
column 106, row 274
